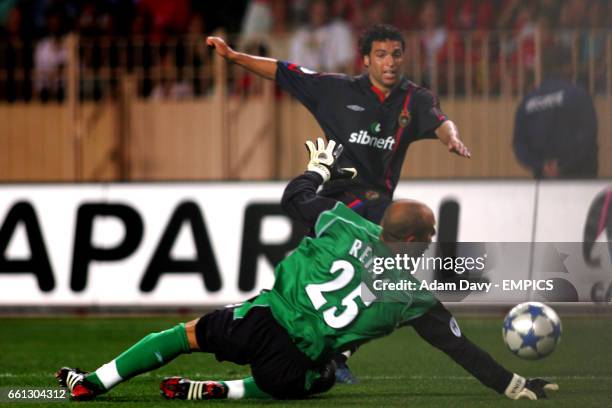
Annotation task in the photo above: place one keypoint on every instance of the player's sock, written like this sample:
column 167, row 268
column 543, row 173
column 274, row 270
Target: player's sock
column 151, row 352
column 245, row 388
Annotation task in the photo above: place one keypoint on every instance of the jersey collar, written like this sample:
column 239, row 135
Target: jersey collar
column 368, row 87
column 380, row 94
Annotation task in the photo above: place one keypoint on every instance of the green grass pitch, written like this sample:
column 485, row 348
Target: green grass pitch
column 398, row 371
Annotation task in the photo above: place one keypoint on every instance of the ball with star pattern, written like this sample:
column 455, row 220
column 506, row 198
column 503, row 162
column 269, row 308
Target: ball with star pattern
column 532, row 330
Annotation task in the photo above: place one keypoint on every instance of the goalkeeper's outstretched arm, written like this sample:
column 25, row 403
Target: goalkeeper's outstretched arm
column 301, row 202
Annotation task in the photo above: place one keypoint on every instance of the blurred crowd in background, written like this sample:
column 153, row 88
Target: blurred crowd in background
column 162, row 41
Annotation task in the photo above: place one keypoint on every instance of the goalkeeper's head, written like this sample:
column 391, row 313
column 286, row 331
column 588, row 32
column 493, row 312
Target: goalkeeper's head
column 408, row 221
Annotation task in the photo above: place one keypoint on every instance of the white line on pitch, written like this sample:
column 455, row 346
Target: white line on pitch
column 218, row 376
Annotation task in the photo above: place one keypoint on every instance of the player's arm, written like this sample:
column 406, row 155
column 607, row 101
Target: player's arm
column 433, row 123
column 303, row 84
column 439, row 328
column 449, row 136
column 301, row 202
column 264, row 67
column 300, row 199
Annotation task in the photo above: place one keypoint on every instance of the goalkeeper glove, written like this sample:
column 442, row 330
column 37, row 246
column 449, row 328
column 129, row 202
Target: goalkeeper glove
column 323, row 161
column 530, row 388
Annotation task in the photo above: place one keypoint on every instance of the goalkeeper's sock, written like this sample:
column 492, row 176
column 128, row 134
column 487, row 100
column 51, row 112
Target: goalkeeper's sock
column 245, row 388
column 153, row 351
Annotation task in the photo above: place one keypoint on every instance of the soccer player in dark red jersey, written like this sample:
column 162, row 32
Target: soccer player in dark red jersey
column 375, row 116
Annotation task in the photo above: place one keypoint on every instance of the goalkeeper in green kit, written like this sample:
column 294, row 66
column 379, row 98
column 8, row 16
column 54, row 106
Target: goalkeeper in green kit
column 320, row 305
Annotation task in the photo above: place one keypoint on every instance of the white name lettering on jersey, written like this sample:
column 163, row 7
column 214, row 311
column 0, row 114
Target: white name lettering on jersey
column 544, row 102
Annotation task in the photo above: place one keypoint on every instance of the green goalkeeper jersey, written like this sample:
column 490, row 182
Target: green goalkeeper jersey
column 322, row 295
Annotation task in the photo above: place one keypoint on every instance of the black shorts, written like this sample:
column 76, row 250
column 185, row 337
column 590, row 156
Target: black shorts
column 278, row 366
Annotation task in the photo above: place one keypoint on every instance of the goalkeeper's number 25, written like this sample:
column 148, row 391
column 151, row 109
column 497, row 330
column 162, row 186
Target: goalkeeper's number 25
column 346, row 273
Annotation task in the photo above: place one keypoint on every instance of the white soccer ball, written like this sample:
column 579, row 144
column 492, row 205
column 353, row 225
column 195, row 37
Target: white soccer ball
column 532, row 330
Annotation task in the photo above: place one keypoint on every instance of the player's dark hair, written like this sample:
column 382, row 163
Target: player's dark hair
column 379, row 32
